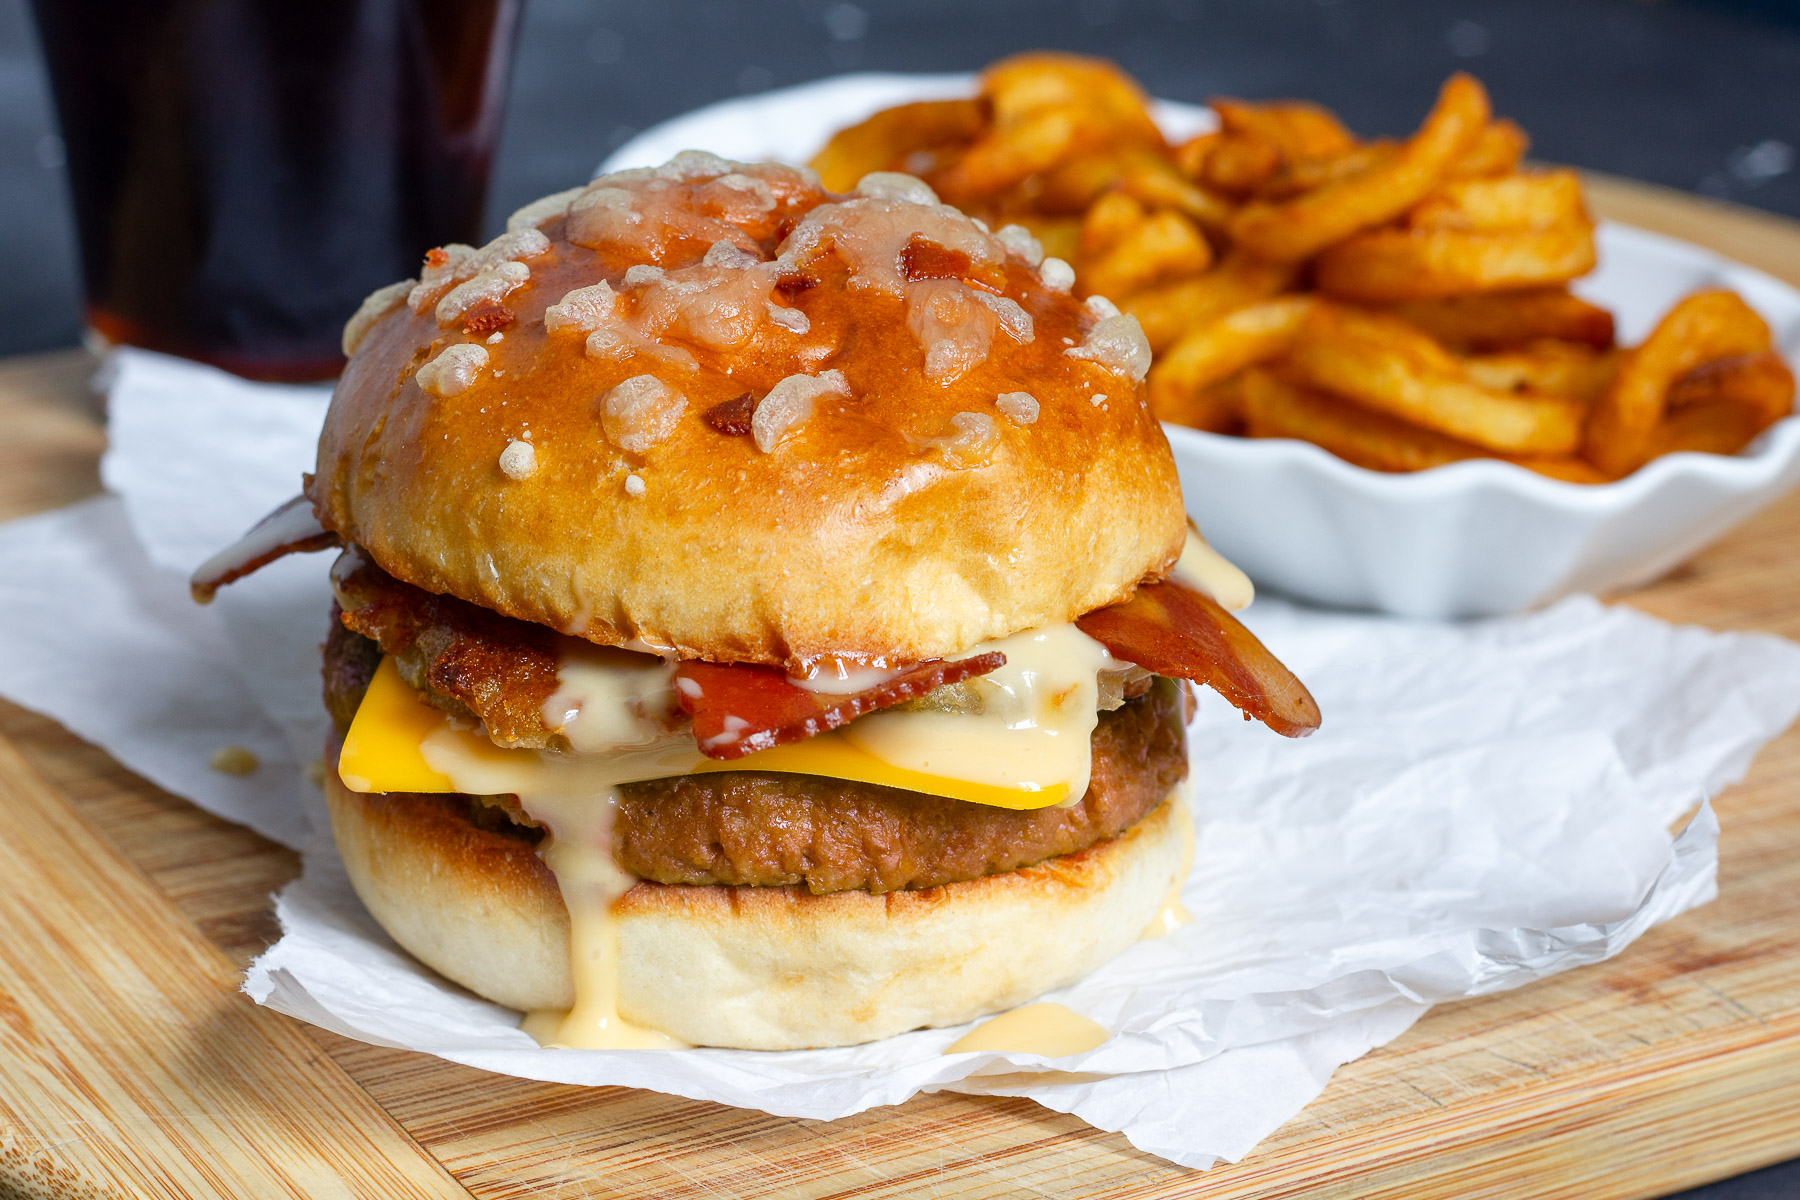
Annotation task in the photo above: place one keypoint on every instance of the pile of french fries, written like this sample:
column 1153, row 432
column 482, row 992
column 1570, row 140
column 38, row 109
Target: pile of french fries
column 1402, row 304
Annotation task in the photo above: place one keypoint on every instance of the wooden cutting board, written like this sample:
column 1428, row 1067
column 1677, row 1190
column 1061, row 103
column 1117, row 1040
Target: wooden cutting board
column 129, row 1065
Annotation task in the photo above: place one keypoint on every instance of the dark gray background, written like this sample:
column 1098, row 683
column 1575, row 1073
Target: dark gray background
column 1699, row 96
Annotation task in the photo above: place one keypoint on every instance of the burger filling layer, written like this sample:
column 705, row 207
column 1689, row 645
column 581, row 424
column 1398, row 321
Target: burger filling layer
column 769, row 829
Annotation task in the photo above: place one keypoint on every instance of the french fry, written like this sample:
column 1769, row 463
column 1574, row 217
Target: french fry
column 1046, row 108
column 1496, row 152
column 1301, row 227
column 1509, row 319
column 1388, row 265
column 1075, row 184
column 1161, row 247
column 1274, row 407
column 1296, row 129
column 1168, row 311
column 1060, row 236
column 1717, row 428
column 1761, row 384
column 1708, row 325
column 1240, row 163
column 1526, row 200
column 1549, row 368
column 1215, row 351
column 1384, row 364
column 1190, row 156
column 1026, row 84
column 885, row 140
column 1158, row 184
column 1307, row 175
column 1110, row 221
column 1035, row 142
column 1566, row 467
column 1215, row 408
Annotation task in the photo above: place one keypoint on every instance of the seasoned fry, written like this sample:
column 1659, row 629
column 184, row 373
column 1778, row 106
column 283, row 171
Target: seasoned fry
column 1706, row 429
column 1387, row 265
column 886, row 140
column 1216, row 408
column 1110, row 221
column 1622, row 424
column 1308, row 174
column 1297, row 130
column 1169, row 311
column 1506, row 320
column 1549, row 368
column 1240, row 163
column 1158, row 248
column 1073, row 185
column 1060, row 236
column 1026, row 84
column 1159, row 185
column 1046, row 108
column 1565, row 467
column 1215, row 351
column 1301, row 227
column 1190, row 156
column 1384, row 364
column 1498, row 150
column 1761, row 384
column 1274, row 407
column 1528, row 200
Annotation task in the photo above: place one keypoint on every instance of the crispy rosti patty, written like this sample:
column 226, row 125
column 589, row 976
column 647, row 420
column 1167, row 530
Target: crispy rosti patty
column 830, row 835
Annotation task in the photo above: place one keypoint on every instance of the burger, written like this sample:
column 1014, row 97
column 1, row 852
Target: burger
column 764, row 618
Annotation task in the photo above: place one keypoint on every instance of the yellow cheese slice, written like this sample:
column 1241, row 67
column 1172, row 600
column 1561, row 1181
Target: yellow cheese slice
column 382, row 753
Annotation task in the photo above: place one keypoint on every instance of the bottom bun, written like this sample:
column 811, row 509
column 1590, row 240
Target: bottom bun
column 755, row 968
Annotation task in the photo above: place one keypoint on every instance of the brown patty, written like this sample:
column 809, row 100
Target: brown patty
column 761, row 828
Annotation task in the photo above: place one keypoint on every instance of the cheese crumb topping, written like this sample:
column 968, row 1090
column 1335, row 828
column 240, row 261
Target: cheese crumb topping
column 641, row 412
column 378, row 304
column 789, row 405
column 518, row 460
column 454, row 371
column 1057, row 275
column 1020, row 407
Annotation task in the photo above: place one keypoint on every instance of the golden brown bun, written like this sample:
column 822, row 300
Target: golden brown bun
column 754, row 968
column 862, row 535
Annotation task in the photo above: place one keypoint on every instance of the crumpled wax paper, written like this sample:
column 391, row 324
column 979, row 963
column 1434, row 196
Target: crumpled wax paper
column 1487, row 804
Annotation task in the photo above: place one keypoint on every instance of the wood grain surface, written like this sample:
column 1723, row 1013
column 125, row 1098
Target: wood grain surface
column 129, row 1065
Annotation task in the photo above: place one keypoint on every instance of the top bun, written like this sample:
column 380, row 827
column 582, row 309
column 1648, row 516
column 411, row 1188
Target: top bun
column 713, row 408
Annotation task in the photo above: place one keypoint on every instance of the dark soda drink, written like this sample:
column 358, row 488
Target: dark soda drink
column 246, row 171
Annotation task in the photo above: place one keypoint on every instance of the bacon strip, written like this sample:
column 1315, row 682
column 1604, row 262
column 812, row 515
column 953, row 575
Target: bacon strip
column 290, row 529
column 1176, row 631
column 739, row 708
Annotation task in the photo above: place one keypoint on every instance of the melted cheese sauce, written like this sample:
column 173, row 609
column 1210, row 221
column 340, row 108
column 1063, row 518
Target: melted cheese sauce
column 1206, row 570
column 574, row 796
column 1174, row 914
column 1034, row 729
column 1047, row 1029
column 1029, row 745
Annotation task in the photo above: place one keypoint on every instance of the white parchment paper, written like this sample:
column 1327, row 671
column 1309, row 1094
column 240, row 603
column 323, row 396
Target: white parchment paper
column 1486, row 804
